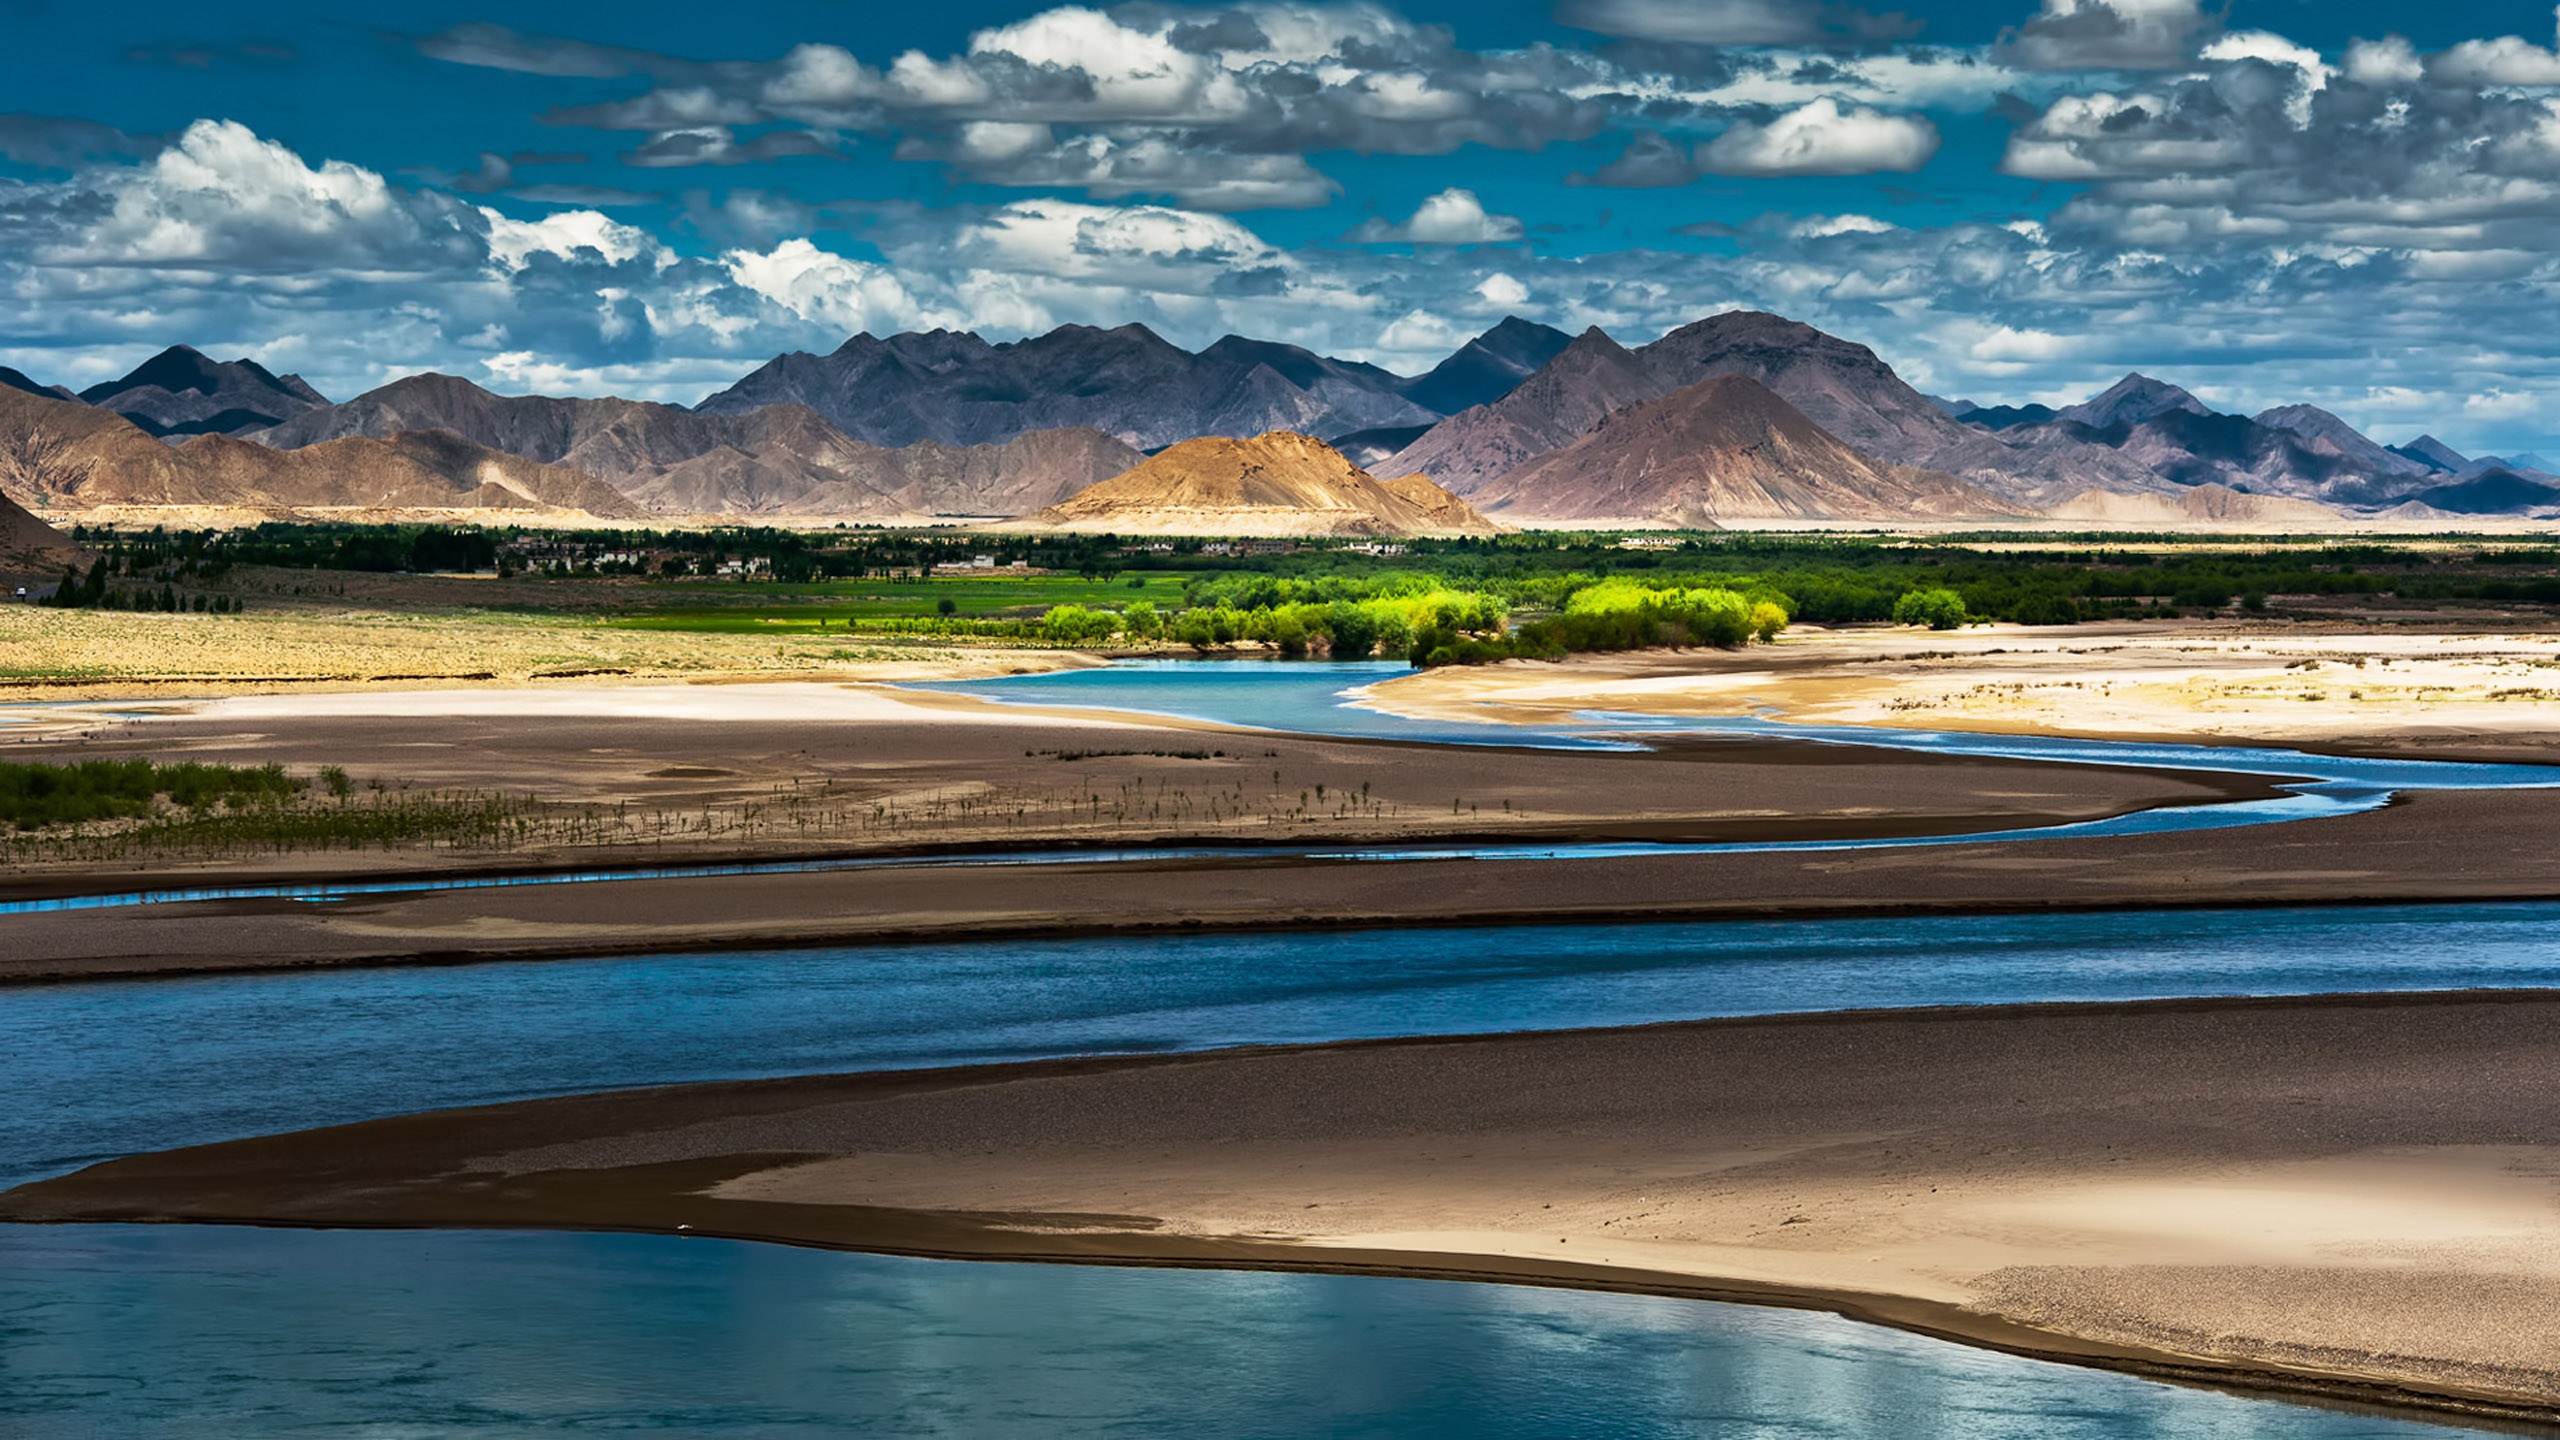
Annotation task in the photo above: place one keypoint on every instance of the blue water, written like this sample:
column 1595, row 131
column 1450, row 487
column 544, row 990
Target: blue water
column 96, row 1070
column 1303, row 697
column 121, row 1331
column 138, row 1332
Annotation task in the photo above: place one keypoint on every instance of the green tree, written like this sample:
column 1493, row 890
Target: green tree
column 1938, row 608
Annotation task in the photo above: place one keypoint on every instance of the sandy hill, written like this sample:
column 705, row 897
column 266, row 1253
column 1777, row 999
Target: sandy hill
column 1723, row 449
column 1276, row 484
column 2213, row 503
column 112, row 463
column 777, row 460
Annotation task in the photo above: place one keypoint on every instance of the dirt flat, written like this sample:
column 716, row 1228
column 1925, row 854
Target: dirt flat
column 2351, row 1196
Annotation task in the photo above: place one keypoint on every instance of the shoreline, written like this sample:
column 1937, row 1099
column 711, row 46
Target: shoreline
column 702, row 1160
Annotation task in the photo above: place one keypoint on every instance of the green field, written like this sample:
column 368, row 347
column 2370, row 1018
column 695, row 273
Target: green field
column 768, row 609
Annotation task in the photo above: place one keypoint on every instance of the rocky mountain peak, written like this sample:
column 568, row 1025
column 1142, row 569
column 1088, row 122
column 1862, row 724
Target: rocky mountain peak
column 2131, row 401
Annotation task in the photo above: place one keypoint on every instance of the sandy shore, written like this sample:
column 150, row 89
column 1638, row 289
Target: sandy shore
column 2366, row 689
column 2355, row 1196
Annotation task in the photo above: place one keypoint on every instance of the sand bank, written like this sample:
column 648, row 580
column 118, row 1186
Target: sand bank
column 654, row 774
column 2353, row 1196
column 2436, row 846
column 2360, row 688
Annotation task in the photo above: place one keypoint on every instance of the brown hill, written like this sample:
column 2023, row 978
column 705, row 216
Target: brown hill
column 29, row 548
column 112, row 463
column 1275, row 484
column 778, row 460
column 1548, row 411
column 1459, row 517
column 1723, row 449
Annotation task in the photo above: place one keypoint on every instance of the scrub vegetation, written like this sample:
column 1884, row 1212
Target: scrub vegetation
column 1426, row 602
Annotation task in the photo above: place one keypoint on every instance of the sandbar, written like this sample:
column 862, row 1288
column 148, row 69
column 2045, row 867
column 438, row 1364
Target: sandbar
column 2352, row 1197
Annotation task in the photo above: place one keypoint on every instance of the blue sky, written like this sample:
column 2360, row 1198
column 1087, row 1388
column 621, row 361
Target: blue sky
column 2351, row 204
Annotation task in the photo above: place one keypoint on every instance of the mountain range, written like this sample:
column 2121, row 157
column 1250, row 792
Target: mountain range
column 1129, row 382
column 777, row 460
column 1842, row 387
column 1523, row 420
column 2300, row 452
column 107, row 461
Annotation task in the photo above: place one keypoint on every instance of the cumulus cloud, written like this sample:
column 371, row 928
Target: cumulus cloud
column 1821, row 138
column 2389, row 61
column 1734, row 22
column 1452, row 217
column 2506, row 60
column 2107, row 35
column 223, row 196
column 1214, row 108
column 2267, row 146
column 2411, row 217
column 849, row 295
column 1106, row 168
column 514, row 243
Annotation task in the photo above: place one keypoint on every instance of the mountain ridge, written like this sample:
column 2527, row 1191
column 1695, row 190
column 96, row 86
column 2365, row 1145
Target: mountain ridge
column 779, row 459
column 181, row 391
column 1724, row 448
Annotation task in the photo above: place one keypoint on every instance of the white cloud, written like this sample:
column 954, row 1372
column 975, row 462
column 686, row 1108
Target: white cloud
column 1106, row 168
column 223, row 196
column 2499, row 403
column 2108, row 35
column 2506, row 60
column 1816, row 227
column 1452, row 217
column 2313, row 72
column 1822, row 139
column 2389, row 61
column 847, row 295
column 1502, row 291
column 564, row 234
